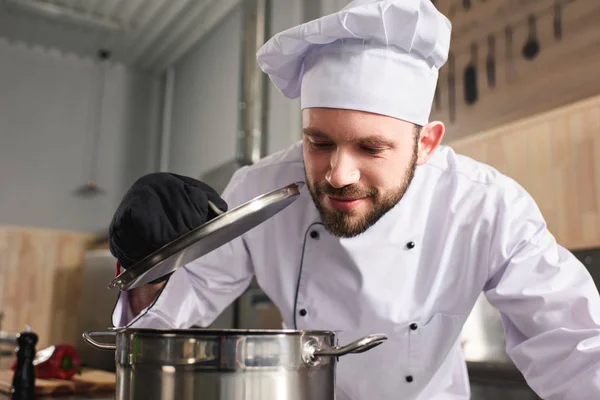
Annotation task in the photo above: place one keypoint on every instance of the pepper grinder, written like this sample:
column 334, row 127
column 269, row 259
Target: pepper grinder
column 23, row 385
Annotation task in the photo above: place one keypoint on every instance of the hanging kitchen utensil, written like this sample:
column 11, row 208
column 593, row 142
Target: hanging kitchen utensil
column 558, row 20
column 207, row 237
column 508, row 38
column 532, row 47
column 91, row 187
column 451, row 88
column 470, row 77
column 490, row 65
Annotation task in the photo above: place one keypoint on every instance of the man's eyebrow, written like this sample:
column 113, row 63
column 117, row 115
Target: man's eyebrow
column 378, row 141
column 315, row 133
column 374, row 140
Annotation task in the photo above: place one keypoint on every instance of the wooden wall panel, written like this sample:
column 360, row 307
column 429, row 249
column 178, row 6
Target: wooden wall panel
column 555, row 156
column 563, row 72
column 40, row 281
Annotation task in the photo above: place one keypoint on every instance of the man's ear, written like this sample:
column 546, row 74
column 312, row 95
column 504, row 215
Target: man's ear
column 429, row 140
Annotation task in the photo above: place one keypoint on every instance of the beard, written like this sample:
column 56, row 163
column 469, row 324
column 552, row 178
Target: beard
column 347, row 224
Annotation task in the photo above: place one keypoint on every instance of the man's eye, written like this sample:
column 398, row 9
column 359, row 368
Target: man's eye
column 372, row 150
column 318, row 145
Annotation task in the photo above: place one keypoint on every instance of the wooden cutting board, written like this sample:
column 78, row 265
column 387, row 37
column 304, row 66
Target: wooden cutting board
column 90, row 381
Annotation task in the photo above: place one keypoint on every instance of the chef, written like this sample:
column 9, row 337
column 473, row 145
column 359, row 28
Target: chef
column 394, row 232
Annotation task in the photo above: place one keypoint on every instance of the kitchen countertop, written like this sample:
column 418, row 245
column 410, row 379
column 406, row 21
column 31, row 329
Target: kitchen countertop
column 4, row 396
column 493, row 372
column 5, row 363
column 480, row 372
column 495, row 375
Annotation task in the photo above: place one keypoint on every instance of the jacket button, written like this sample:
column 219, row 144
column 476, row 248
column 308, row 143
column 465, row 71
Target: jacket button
column 410, row 245
column 303, row 312
column 409, row 378
column 314, row 234
column 413, row 326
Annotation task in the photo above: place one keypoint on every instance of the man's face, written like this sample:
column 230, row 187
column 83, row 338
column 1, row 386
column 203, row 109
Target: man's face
column 358, row 165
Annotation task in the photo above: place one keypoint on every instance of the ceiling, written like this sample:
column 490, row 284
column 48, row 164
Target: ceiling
column 149, row 35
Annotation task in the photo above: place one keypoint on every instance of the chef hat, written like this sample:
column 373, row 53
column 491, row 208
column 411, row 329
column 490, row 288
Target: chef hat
column 379, row 56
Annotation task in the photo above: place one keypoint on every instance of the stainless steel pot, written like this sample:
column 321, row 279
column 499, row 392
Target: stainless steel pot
column 233, row 364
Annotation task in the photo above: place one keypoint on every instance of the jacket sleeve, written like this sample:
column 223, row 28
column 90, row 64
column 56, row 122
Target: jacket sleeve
column 198, row 292
column 549, row 304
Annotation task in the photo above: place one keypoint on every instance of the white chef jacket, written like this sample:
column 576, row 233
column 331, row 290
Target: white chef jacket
column 461, row 229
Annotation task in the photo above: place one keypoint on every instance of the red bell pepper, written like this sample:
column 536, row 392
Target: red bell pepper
column 63, row 364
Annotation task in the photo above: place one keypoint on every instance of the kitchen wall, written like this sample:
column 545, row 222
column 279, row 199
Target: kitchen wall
column 205, row 112
column 45, row 135
column 331, row 6
column 205, row 98
column 45, row 138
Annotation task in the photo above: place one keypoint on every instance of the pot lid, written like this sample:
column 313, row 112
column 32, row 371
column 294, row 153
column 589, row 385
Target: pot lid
column 207, row 237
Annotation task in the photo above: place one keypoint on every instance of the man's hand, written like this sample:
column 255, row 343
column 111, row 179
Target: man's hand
column 159, row 208
column 141, row 297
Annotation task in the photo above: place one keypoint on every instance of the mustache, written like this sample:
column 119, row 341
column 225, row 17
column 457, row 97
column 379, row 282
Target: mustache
column 351, row 191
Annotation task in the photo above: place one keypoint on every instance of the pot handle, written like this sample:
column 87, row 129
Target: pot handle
column 311, row 351
column 87, row 336
column 358, row 346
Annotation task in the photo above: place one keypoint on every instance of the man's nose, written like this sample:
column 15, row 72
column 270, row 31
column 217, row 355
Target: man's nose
column 343, row 170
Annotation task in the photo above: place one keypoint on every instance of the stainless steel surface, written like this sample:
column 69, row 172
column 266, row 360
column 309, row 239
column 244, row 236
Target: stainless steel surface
column 252, row 138
column 207, row 237
column 227, row 364
column 482, row 335
column 96, row 304
column 184, row 384
column 358, row 346
column 89, row 337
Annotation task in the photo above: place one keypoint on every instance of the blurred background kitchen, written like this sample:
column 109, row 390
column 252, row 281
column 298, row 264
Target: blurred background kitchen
column 95, row 93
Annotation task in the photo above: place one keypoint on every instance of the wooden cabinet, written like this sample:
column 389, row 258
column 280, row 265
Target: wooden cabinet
column 564, row 70
column 555, row 156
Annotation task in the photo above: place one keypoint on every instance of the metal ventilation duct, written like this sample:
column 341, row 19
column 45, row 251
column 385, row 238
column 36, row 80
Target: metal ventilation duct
column 252, row 118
